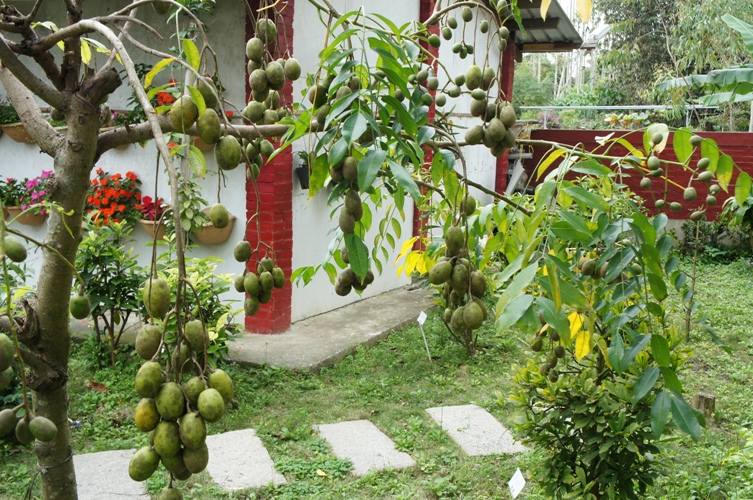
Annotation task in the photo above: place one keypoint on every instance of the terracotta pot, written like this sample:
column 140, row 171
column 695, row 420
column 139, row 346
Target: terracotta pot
column 28, row 219
column 153, row 227
column 17, row 132
column 210, row 235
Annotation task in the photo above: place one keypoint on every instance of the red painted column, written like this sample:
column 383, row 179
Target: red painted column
column 275, row 199
column 507, row 76
column 426, row 8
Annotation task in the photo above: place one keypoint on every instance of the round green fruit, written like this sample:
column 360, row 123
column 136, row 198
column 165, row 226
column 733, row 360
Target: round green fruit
column 80, row 306
column 196, row 460
column 170, row 401
column 219, row 216
column 193, row 388
column 211, row 405
column 208, row 126
column 227, row 153
column 14, row 249
column 193, row 431
column 222, row 383
column 696, row 140
column 143, row 464
column 43, row 429
column 657, row 138
column 183, row 113
column 690, row 194
column 146, row 415
column 167, row 439
column 7, row 421
column 156, row 294
column 7, row 351
column 196, row 335
column 149, row 378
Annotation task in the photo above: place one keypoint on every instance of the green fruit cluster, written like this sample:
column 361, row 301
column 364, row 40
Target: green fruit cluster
column 256, row 152
column 27, row 428
column 267, row 76
column 462, row 285
column 556, row 351
column 257, row 285
column 348, row 280
column 175, row 415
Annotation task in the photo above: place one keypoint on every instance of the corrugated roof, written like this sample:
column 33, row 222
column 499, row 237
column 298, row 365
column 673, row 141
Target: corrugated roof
column 556, row 33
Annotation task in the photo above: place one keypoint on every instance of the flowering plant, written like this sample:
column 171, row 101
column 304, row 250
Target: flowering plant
column 12, row 191
column 114, row 198
column 152, row 210
column 35, row 193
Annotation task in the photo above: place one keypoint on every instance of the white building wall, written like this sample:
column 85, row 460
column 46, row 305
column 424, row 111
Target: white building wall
column 310, row 217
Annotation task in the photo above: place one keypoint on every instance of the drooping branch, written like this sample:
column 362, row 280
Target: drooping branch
column 47, row 93
column 48, row 140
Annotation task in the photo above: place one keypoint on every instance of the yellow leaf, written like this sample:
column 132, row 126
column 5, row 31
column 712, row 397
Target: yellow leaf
column 410, row 262
column 545, row 8
column 584, row 8
column 156, row 69
column 546, row 162
column 321, row 473
column 86, row 52
column 406, row 248
column 576, row 322
column 582, row 344
column 424, row 264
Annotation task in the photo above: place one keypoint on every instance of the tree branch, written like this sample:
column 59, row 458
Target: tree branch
column 28, row 79
column 48, row 140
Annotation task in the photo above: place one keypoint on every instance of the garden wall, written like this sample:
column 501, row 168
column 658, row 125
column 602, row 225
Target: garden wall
column 739, row 145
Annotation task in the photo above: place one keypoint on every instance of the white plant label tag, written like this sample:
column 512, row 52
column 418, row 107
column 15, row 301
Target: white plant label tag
column 517, row 483
column 422, row 318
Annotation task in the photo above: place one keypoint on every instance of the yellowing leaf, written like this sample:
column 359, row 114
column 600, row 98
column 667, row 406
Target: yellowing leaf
column 410, row 262
column 424, row 263
column 406, row 248
column 86, row 52
column 155, row 70
column 584, row 8
column 193, row 58
column 544, row 8
column 546, row 162
column 321, row 473
column 576, row 323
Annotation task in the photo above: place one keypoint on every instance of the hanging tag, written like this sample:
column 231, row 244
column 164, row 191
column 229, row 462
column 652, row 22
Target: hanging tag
column 422, row 318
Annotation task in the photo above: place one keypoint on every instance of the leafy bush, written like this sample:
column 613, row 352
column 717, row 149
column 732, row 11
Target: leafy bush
column 715, row 241
column 112, row 277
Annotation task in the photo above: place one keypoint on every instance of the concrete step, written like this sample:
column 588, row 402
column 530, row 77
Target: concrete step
column 238, row 460
column 104, row 476
column 475, row 430
column 361, row 442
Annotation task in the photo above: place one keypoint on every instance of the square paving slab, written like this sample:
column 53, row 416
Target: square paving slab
column 238, row 460
column 104, row 476
column 365, row 445
column 475, row 430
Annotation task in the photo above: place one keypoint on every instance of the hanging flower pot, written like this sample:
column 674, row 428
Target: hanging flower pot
column 154, row 228
column 303, row 176
column 28, row 219
column 210, row 235
column 17, row 132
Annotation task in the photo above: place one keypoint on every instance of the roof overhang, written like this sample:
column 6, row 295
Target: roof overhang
column 556, row 33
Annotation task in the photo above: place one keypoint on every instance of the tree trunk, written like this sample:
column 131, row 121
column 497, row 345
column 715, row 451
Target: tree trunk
column 49, row 373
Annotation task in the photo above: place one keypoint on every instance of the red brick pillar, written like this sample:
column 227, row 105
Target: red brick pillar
column 507, row 75
column 275, row 185
column 426, row 9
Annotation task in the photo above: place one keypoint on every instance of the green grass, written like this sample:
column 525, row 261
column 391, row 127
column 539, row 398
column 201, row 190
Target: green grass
column 392, row 383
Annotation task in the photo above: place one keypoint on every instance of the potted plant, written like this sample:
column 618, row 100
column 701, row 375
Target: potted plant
column 11, row 192
column 114, row 198
column 209, row 234
column 10, row 123
column 152, row 217
column 30, row 210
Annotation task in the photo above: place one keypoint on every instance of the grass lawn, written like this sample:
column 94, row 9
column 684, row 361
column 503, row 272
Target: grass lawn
column 393, row 383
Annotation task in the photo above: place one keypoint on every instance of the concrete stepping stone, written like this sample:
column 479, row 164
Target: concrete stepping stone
column 238, row 460
column 104, row 476
column 364, row 445
column 475, row 430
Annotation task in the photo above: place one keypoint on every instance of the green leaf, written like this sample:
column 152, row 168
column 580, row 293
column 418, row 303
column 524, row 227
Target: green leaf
column 425, row 134
column 369, row 167
column 405, row 179
column 616, row 352
column 636, row 346
column 745, row 29
column 659, row 413
column 338, row 151
column 193, row 58
column 660, row 350
column 685, row 418
column 544, row 193
column 658, row 287
column 513, row 312
column 710, row 150
column 197, row 162
column 681, row 144
column 517, row 286
column 591, row 167
column 645, row 383
column 353, row 127
column 590, row 199
column 555, row 317
column 318, row 175
column 198, row 99
column 671, row 381
column 742, row 188
column 358, row 255
column 724, row 171
column 155, row 70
